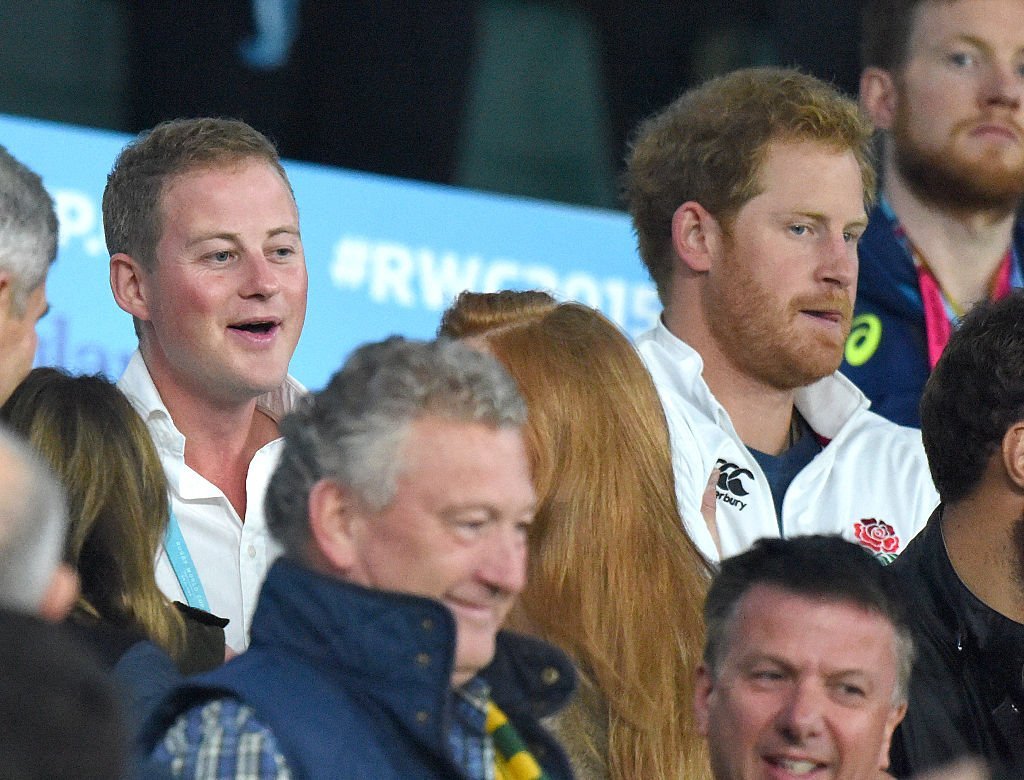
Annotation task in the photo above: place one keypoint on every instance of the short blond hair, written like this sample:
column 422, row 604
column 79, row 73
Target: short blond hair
column 132, row 199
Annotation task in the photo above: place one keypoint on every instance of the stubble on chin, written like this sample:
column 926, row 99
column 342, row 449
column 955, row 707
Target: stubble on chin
column 946, row 179
column 776, row 349
column 1017, row 547
column 807, row 361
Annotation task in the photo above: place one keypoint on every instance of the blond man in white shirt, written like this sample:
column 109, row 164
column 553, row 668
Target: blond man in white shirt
column 206, row 255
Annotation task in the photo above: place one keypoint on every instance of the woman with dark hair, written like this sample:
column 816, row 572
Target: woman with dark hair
column 614, row 580
column 101, row 452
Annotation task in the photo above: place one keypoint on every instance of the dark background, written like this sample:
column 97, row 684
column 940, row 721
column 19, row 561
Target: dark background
column 528, row 97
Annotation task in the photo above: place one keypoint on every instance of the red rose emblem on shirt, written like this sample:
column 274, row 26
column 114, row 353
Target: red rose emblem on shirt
column 877, row 535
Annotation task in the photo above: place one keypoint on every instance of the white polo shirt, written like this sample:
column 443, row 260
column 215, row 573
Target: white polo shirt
column 870, row 483
column 231, row 557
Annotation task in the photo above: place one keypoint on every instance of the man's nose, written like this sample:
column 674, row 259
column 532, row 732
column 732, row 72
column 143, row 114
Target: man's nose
column 261, row 278
column 839, row 262
column 1003, row 85
column 503, row 565
column 803, row 714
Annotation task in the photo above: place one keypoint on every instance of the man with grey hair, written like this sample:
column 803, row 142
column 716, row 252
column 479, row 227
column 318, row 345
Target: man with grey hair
column 33, row 526
column 62, row 714
column 403, row 501
column 806, row 663
column 28, row 247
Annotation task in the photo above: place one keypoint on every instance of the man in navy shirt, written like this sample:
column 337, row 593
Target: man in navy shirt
column 944, row 84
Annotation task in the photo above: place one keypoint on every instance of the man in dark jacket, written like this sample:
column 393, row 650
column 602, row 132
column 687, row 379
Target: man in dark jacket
column 942, row 83
column 28, row 247
column 965, row 571
column 806, row 662
column 403, row 501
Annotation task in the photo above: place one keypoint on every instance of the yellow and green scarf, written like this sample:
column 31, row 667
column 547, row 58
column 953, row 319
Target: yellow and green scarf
column 512, row 761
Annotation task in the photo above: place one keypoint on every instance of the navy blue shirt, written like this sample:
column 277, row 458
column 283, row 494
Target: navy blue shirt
column 781, row 469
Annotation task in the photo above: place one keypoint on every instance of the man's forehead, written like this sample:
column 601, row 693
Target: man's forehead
column 959, row 18
column 779, row 159
column 791, row 143
column 462, row 460
column 770, row 593
column 434, row 439
column 780, row 619
column 227, row 167
column 176, row 182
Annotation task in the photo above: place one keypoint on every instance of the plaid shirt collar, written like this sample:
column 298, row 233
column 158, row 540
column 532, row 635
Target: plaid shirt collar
column 470, row 744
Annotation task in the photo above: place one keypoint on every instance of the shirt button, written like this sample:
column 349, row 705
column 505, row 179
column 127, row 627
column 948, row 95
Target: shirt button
column 423, row 659
column 252, row 551
column 422, row 716
column 427, row 624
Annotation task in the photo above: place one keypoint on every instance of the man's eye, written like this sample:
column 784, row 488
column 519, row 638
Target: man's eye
column 849, row 691
column 471, row 525
column 221, row 257
column 799, row 230
column 962, row 59
column 284, row 251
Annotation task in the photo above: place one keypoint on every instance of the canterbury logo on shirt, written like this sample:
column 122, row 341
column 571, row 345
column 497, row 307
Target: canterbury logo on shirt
column 732, row 483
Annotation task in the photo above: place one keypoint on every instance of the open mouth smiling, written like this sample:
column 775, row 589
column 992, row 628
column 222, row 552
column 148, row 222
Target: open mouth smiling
column 257, row 331
column 261, row 327
column 798, row 767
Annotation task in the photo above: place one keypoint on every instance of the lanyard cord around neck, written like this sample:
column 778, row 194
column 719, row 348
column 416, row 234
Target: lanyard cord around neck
column 184, row 567
column 942, row 312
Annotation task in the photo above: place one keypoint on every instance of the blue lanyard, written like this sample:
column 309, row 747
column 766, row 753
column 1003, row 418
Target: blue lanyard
column 184, row 568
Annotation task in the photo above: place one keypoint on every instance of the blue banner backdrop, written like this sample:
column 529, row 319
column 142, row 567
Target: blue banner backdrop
column 385, row 255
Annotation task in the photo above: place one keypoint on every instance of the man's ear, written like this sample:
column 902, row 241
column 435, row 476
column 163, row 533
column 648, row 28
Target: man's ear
column 60, row 595
column 696, row 236
column 878, row 96
column 129, row 284
column 6, row 294
column 333, row 516
column 891, row 722
column 705, row 684
column 1013, row 454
